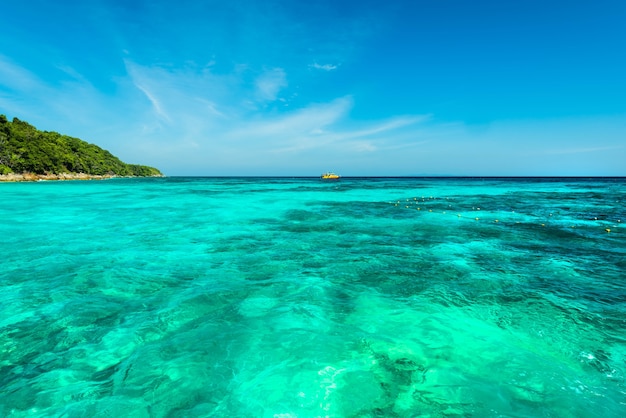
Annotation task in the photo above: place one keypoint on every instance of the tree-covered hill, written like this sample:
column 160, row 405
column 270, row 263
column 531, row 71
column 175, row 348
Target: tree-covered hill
column 25, row 149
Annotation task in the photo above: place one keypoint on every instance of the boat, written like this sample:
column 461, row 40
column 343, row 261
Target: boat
column 330, row 176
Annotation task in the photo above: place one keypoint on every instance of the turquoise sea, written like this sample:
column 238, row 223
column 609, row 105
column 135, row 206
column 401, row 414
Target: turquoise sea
column 293, row 297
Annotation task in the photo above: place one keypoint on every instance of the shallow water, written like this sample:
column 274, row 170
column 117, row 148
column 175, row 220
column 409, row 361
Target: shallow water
column 299, row 298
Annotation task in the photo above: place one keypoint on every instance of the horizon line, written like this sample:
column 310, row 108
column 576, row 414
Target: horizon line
column 411, row 176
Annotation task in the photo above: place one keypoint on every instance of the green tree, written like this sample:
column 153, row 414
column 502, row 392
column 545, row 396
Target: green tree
column 23, row 148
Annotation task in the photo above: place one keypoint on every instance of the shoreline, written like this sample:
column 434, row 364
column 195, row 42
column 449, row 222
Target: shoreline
column 30, row 177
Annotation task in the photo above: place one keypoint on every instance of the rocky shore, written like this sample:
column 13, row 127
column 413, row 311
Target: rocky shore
column 12, row 177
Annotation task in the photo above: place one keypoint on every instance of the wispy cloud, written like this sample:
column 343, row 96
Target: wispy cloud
column 13, row 77
column 155, row 102
column 324, row 127
column 210, row 124
column 185, row 99
column 309, row 121
column 325, row 67
column 386, row 126
column 37, row 101
column 583, row 150
column 270, row 83
column 195, row 121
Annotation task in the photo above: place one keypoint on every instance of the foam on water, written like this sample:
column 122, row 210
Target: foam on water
column 298, row 298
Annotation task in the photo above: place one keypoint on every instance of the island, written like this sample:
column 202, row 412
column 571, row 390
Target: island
column 28, row 154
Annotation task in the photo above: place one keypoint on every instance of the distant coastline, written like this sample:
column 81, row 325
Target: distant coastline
column 42, row 155
column 29, row 177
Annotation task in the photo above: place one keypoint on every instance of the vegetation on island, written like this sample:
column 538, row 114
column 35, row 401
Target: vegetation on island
column 25, row 149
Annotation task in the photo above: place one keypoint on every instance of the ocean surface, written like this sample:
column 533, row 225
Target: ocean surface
column 294, row 297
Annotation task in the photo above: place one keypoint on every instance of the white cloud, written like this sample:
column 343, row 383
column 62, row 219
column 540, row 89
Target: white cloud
column 71, row 72
column 270, row 83
column 386, row 126
column 212, row 128
column 325, row 67
column 322, row 127
column 212, row 108
column 584, row 150
column 16, row 78
column 155, row 102
column 68, row 105
column 311, row 120
column 194, row 121
column 187, row 99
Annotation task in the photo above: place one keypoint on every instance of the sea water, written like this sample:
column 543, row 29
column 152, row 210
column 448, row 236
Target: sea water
column 294, row 297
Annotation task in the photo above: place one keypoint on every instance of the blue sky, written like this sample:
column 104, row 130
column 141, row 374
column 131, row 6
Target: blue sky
column 286, row 87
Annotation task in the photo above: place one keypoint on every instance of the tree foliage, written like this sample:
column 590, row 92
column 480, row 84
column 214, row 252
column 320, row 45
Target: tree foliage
column 24, row 148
